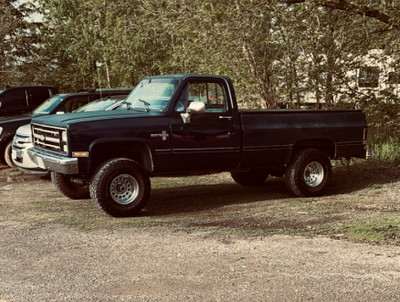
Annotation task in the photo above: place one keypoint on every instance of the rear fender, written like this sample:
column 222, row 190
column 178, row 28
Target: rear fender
column 326, row 145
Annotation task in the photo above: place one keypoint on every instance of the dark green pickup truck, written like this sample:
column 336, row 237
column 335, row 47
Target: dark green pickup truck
column 190, row 124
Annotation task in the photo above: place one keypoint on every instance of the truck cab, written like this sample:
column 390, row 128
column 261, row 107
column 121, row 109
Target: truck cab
column 20, row 99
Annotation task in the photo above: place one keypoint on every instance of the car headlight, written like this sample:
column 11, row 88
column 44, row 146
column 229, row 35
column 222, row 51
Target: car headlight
column 64, row 141
column 64, row 136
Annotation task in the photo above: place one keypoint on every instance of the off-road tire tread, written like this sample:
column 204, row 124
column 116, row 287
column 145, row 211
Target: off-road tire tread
column 99, row 191
column 293, row 174
column 62, row 183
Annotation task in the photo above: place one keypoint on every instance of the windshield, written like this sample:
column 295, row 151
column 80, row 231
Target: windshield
column 152, row 94
column 101, row 104
column 48, row 105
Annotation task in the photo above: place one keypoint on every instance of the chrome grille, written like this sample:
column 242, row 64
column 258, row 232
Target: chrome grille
column 49, row 138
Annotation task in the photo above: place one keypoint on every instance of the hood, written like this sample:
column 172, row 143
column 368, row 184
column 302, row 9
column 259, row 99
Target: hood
column 63, row 120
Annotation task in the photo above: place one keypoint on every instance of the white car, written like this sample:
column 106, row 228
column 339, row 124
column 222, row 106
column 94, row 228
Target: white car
column 22, row 143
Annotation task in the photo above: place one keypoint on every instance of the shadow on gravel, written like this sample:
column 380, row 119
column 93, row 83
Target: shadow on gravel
column 178, row 199
column 185, row 199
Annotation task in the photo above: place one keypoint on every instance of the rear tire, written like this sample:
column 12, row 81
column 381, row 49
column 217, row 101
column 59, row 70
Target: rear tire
column 250, row 178
column 309, row 173
column 121, row 187
column 69, row 186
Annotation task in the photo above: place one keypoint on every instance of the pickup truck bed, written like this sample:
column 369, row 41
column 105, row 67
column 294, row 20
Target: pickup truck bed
column 271, row 136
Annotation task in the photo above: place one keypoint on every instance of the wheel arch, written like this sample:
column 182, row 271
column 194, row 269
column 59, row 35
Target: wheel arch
column 4, row 141
column 140, row 151
column 325, row 144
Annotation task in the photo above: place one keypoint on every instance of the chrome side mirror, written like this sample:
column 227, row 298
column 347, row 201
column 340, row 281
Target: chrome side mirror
column 194, row 108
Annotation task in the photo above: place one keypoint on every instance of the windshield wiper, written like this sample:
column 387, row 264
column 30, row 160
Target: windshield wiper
column 118, row 104
column 146, row 105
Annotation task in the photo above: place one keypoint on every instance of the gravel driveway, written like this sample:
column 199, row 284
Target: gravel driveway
column 55, row 263
column 47, row 261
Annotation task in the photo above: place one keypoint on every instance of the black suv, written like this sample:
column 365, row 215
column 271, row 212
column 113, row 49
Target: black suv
column 60, row 103
column 19, row 99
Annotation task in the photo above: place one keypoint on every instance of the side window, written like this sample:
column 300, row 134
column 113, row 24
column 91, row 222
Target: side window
column 38, row 95
column 14, row 98
column 394, row 78
column 368, row 77
column 182, row 100
column 212, row 94
column 73, row 103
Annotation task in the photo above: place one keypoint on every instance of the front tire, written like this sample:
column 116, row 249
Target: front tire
column 69, row 186
column 309, row 173
column 121, row 187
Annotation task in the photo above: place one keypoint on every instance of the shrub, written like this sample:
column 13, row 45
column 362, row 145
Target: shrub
column 385, row 147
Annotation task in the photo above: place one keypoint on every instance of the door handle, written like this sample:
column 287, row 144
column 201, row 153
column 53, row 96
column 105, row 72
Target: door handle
column 225, row 117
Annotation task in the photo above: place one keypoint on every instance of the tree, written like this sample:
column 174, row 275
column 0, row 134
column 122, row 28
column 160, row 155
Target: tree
column 276, row 51
column 383, row 11
column 17, row 40
column 234, row 39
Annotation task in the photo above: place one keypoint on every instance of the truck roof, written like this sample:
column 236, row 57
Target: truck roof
column 187, row 75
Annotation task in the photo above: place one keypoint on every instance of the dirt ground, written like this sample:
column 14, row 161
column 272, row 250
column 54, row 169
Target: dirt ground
column 44, row 261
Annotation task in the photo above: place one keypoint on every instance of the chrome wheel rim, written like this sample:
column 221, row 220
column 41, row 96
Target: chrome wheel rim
column 124, row 189
column 313, row 174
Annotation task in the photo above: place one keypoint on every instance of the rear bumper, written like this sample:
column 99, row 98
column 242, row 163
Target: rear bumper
column 54, row 162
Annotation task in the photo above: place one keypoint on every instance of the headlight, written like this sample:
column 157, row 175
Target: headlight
column 1, row 130
column 64, row 136
column 64, row 143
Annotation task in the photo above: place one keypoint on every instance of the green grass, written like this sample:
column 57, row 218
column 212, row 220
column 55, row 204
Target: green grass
column 385, row 148
column 376, row 230
column 387, row 151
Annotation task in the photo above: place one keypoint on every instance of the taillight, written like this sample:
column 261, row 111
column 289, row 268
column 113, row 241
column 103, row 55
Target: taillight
column 365, row 134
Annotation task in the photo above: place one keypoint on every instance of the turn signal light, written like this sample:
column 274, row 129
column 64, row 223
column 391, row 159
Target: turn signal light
column 80, row 154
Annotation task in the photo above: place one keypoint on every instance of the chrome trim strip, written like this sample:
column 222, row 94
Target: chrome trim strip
column 204, row 149
column 262, row 148
column 47, row 126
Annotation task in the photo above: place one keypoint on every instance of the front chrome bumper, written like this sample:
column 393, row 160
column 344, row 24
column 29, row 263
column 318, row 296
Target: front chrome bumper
column 24, row 162
column 54, row 162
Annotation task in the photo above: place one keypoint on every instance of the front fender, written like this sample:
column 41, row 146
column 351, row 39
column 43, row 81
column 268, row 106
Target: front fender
column 104, row 149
